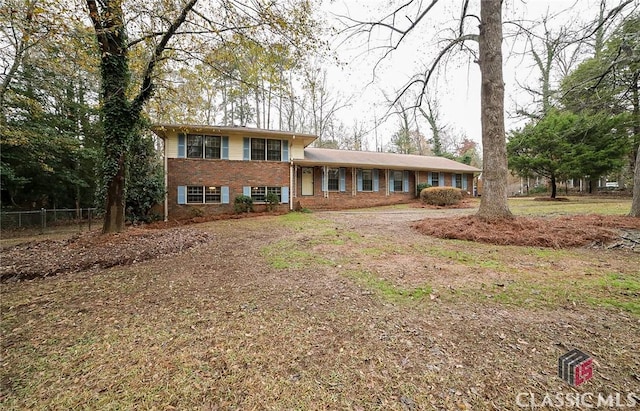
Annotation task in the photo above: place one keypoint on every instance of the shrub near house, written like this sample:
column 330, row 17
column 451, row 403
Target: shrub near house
column 441, row 196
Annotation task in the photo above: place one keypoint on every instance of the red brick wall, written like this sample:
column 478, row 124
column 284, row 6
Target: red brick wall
column 448, row 179
column 423, row 177
column 234, row 174
column 346, row 199
column 237, row 174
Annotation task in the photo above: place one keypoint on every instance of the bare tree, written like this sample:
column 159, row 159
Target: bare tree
column 322, row 103
column 494, row 197
column 27, row 27
column 432, row 115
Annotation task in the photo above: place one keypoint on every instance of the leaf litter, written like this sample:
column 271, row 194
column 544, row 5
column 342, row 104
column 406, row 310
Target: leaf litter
column 219, row 328
column 553, row 232
column 91, row 250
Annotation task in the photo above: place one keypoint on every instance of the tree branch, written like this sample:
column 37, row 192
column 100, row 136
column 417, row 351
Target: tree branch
column 94, row 14
column 465, row 5
column 146, row 88
column 612, row 13
column 368, row 26
column 429, row 72
column 160, row 33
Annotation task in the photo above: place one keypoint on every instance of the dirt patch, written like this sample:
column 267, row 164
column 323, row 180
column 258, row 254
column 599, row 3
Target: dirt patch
column 551, row 199
column 205, row 219
column 560, row 232
column 91, row 250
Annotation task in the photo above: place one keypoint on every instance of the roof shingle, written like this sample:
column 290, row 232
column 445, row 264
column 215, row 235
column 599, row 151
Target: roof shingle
column 326, row 156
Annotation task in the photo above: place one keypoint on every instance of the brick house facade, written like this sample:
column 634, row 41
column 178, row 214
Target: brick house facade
column 207, row 167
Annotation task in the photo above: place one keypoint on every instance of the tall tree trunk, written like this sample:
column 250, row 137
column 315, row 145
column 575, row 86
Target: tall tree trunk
column 116, row 109
column 268, row 122
column 121, row 116
column 280, row 122
column 599, row 43
column 493, row 203
column 256, row 91
column 118, row 131
column 554, row 186
column 635, row 203
column 225, row 122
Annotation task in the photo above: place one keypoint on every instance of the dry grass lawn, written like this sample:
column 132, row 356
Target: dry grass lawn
column 338, row 310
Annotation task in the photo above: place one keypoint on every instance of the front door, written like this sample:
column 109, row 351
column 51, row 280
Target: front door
column 307, row 181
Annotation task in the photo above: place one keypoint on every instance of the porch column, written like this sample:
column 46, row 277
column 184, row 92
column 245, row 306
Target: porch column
column 386, row 183
column 354, row 186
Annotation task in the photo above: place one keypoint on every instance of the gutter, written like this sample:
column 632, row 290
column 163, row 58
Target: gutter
column 166, row 181
column 291, row 185
column 381, row 166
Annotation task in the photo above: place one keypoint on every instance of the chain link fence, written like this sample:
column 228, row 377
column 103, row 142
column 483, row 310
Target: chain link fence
column 46, row 220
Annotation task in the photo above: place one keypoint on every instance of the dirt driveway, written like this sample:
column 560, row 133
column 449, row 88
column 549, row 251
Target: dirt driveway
column 331, row 310
column 388, row 219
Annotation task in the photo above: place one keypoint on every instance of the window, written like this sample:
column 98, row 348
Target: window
column 396, row 180
column 458, row 178
column 274, row 150
column 367, row 180
column 266, row 149
column 212, row 194
column 259, row 194
column 212, row 147
column 276, row 191
column 194, row 146
column 333, row 179
column 435, row 179
column 258, row 147
column 203, row 146
column 203, row 195
column 200, row 194
column 194, row 194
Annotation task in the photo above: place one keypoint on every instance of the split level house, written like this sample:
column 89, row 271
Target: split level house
column 207, row 167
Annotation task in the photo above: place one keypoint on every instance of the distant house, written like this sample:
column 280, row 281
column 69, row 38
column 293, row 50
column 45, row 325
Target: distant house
column 206, row 167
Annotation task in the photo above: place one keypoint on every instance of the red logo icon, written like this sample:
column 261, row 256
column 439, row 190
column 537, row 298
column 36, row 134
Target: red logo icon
column 575, row 367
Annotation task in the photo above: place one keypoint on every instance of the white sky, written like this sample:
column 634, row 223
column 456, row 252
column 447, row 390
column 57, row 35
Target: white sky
column 457, row 86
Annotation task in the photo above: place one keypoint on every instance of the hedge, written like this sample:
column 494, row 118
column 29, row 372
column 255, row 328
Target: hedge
column 441, row 196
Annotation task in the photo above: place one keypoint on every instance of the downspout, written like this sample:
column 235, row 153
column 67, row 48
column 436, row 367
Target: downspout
column 325, row 182
column 166, row 181
column 291, row 185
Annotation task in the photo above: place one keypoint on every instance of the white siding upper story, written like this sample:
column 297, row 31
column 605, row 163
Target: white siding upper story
column 236, row 140
column 171, row 146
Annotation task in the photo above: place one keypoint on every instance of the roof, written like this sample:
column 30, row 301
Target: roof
column 326, row 156
column 163, row 129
